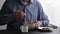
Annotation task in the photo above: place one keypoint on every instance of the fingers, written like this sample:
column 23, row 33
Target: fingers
column 20, row 14
column 37, row 24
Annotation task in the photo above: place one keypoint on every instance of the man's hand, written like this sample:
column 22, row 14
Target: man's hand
column 37, row 24
column 18, row 14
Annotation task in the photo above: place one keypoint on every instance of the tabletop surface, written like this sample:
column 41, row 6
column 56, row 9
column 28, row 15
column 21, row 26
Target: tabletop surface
column 55, row 31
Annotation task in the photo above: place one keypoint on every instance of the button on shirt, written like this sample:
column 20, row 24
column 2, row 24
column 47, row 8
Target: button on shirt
column 33, row 10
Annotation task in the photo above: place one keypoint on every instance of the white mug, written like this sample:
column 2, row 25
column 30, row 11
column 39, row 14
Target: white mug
column 24, row 28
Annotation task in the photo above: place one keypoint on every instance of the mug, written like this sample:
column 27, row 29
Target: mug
column 24, row 28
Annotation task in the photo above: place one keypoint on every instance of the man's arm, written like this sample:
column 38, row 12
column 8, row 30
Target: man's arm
column 4, row 14
column 42, row 17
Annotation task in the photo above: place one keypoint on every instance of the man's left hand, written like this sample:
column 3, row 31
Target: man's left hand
column 37, row 24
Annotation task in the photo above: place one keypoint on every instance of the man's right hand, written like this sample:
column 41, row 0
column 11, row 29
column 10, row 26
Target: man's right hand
column 18, row 14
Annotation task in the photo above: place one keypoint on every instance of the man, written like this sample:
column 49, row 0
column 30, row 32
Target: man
column 13, row 13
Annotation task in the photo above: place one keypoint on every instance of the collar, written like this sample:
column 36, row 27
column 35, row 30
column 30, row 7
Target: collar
column 30, row 1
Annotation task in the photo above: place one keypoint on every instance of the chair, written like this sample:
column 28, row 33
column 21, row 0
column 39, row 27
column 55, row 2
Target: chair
column 3, row 26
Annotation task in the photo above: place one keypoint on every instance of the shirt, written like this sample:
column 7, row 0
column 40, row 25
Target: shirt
column 34, row 11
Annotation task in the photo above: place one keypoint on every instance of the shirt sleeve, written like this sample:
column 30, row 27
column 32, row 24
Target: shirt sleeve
column 42, row 16
column 4, row 14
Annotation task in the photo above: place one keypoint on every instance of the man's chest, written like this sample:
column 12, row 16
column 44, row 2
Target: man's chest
column 30, row 10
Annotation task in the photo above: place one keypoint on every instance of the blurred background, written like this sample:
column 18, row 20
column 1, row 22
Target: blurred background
column 51, row 8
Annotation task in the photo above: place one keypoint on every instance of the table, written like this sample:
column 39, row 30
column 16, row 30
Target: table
column 55, row 31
